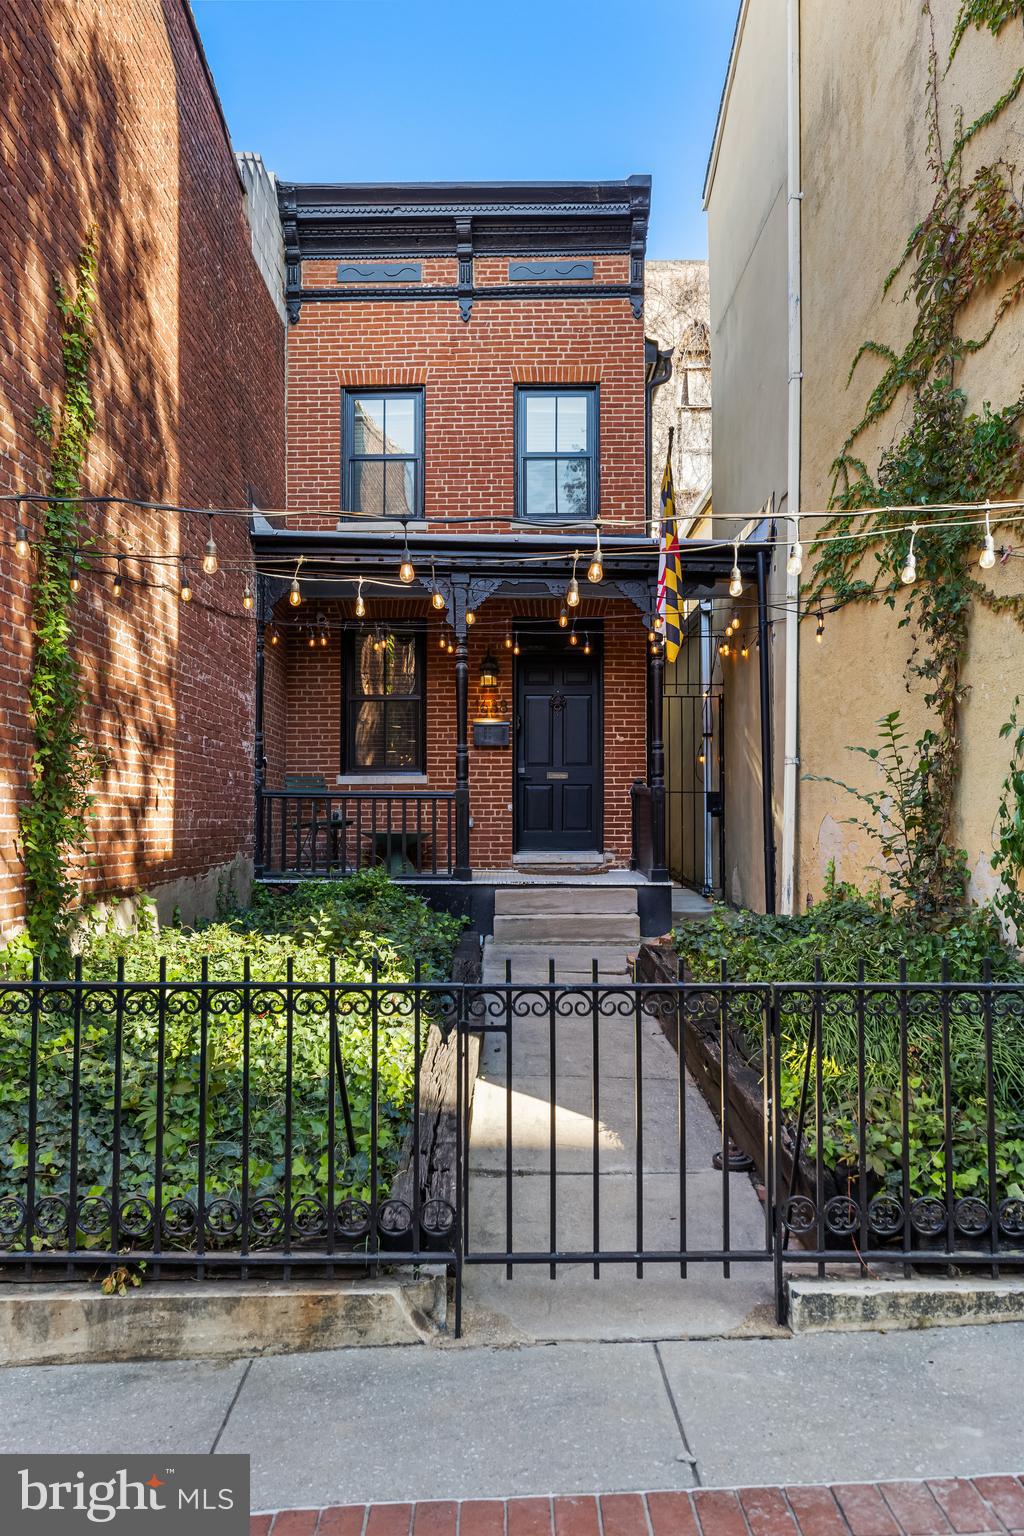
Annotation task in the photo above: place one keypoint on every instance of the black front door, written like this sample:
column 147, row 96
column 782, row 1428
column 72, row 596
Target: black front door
column 558, row 774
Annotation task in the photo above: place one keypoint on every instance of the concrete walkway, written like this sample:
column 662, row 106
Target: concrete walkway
column 360, row 1426
column 618, row 1305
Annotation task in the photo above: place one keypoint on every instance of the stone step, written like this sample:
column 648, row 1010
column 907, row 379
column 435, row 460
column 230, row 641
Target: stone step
column 517, row 900
column 578, row 929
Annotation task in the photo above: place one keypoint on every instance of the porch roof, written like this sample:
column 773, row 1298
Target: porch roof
column 521, row 556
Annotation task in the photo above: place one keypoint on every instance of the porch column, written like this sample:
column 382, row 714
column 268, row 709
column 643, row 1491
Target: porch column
column 463, row 870
column 258, row 742
column 659, row 870
column 765, row 691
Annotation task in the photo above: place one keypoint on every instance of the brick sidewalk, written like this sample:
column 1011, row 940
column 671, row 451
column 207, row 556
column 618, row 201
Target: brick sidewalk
column 982, row 1506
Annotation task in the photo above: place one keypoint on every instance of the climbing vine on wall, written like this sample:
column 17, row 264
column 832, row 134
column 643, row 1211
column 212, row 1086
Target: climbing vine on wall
column 54, row 820
column 970, row 242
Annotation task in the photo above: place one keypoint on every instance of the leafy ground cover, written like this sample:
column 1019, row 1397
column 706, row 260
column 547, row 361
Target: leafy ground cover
column 344, row 925
column 843, row 934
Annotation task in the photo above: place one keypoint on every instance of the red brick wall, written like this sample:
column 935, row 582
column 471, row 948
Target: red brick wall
column 306, row 711
column 108, row 117
column 468, row 371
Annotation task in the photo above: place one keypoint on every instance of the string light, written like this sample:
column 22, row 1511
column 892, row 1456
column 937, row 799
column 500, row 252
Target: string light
column 21, row 544
column 586, row 645
column 735, row 579
column 795, row 563
column 515, row 648
column 311, row 642
column 574, row 638
column 435, row 596
column 595, row 570
column 406, row 571
column 360, row 605
column 820, row 629
column 658, row 622
column 451, row 649
column 247, row 598
column 275, row 638
column 572, row 593
column 470, row 616
column 295, row 591
column 745, row 650
column 563, row 619
column 987, row 558
column 118, row 588
column 908, row 575
column 210, row 561
column 442, row 643
column 508, row 642
column 185, row 590
column 74, row 579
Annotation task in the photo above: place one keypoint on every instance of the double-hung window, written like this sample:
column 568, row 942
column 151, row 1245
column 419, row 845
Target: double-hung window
column 382, row 452
column 556, row 454
column 384, row 715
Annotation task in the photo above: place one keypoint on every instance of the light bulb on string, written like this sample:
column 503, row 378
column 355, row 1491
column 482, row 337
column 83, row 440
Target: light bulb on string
column 21, row 544
column 574, row 638
column 987, row 558
column 515, row 648
column 275, row 638
column 443, row 643
column 908, row 575
column 210, row 561
column 74, row 579
column 819, row 632
column 247, row 598
column 735, row 579
column 595, row 570
column 436, row 599
column 586, row 645
column 118, row 585
column 572, row 591
column 295, row 592
column 508, row 642
column 324, row 639
column 406, row 571
column 360, row 605
column 311, row 642
column 563, row 619
column 744, row 650
column 795, row 563
column 451, row 649
column 185, row 590
column 658, row 623
column 470, row 616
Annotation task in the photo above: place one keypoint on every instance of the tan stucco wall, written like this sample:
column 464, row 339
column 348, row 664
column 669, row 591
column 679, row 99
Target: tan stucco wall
column 747, row 258
column 865, row 184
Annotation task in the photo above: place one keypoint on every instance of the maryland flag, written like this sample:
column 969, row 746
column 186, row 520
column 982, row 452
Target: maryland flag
column 670, row 567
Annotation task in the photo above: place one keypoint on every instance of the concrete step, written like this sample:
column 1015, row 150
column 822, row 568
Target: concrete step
column 578, row 928
column 516, row 900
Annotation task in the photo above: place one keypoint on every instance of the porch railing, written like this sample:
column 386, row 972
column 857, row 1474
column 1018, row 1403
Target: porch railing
column 300, row 832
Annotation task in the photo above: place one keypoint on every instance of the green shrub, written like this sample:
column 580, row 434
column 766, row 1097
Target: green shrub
column 345, row 923
column 844, row 933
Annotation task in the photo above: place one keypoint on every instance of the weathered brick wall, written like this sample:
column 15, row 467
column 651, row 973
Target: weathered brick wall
column 108, row 117
column 305, row 712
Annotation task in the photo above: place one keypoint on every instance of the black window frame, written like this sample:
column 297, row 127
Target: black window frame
column 349, row 457
column 592, row 394
column 350, row 698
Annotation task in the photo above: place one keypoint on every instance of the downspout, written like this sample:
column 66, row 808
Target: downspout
column 791, row 759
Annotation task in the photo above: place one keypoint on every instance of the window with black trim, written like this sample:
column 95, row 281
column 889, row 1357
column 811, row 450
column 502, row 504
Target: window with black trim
column 382, row 452
column 384, row 723
column 556, row 454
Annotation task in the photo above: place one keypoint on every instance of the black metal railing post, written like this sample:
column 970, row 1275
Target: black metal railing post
column 463, row 869
column 659, row 869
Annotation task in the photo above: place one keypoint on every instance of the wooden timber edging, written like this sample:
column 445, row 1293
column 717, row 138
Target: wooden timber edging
column 438, row 1130
column 657, row 963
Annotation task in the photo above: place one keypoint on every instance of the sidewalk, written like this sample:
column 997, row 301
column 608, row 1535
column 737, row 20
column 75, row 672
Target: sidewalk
column 361, row 1426
column 984, row 1506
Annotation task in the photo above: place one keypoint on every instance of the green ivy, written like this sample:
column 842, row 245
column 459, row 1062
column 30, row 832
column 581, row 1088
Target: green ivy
column 993, row 14
column 54, row 820
column 970, row 241
column 1008, row 859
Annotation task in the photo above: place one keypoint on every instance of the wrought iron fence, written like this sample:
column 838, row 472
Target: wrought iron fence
column 225, row 1124
column 212, row 1125
column 304, row 832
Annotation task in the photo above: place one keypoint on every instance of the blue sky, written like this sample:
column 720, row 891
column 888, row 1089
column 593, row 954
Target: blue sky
column 534, row 90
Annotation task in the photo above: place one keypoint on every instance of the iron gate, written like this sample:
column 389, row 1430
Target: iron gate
column 693, row 708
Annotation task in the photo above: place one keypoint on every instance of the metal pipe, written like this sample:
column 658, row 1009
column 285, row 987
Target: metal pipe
column 791, row 749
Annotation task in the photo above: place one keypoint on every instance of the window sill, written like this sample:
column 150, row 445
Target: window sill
column 380, row 780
